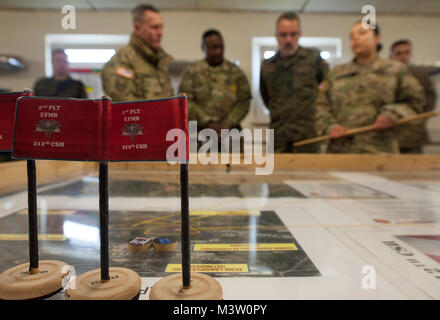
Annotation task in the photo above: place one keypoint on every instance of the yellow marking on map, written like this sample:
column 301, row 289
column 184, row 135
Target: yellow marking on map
column 154, row 220
column 49, row 212
column 235, row 268
column 224, row 213
column 25, row 236
column 244, row 247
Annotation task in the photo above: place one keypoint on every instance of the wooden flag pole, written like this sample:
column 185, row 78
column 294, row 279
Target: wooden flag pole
column 186, row 285
column 368, row 128
column 105, row 283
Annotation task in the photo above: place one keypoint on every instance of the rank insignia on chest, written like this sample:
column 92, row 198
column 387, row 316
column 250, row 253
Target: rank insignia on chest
column 132, row 130
column 233, row 88
column 48, row 127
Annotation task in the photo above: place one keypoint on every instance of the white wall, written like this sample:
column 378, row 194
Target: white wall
column 22, row 33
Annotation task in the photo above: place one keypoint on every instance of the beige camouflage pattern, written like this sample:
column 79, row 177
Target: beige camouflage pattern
column 289, row 88
column 413, row 137
column 136, row 72
column 355, row 95
column 218, row 94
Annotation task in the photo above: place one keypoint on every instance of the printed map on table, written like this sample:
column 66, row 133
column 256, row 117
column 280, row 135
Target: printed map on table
column 243, row 243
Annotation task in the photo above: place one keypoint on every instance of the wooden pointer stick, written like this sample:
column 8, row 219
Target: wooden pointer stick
column 368, row 128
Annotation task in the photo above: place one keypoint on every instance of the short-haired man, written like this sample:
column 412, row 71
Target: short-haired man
column 139, row 70
column 413, row 137
column 60, row 84
column 289, row 84
column 218, row 90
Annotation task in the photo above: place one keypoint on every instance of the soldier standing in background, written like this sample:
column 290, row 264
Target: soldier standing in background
column 366, row 91
column 60, row 84
column 218, row 90
column 289, row 85
column 139, row 70
column 412, row 137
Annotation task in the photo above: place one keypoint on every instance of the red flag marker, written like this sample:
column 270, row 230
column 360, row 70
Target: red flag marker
column 7, row 114
column 97, row 130
column 36, row 279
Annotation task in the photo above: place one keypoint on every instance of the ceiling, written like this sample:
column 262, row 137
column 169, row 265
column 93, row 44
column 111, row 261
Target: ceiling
column 306, row 6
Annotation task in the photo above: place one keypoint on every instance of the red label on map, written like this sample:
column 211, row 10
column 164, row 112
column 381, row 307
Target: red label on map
column 97, row 130
column 8, row 101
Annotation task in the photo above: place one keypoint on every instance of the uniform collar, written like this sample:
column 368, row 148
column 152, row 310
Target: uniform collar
column 287, row 62
column 220, row 67
column 353, row 68
column 375, row 65
column 160, row 56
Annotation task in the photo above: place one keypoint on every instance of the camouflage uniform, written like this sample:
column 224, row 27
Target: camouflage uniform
column 49, row 87
column 216, row 94
column 289, row 88
column 355, row 95
column 413, row 136
column 136, row 72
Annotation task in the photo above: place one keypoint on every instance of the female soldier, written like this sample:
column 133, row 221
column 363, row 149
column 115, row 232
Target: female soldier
column 365, row 91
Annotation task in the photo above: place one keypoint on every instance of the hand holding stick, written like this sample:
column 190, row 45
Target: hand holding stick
column 368, row 128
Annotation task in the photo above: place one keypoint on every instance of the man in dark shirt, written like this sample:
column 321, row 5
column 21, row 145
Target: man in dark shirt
column 414, row 136
column 289, row 84
column 60, row 84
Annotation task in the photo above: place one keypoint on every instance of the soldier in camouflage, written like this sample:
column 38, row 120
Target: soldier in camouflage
column 60, row 84
column 413, row 136
column 289, row 86
column 366, row 91
column 218, row 90
column 139, row 70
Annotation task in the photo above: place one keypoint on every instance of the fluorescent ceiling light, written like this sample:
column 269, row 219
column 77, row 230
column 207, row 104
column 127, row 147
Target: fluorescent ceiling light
column 89, row 55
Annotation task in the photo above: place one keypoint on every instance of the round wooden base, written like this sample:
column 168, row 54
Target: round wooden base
column 124, row 284
column 165, row 244
column 203, row 287
column 140, row 244
column 18, row 283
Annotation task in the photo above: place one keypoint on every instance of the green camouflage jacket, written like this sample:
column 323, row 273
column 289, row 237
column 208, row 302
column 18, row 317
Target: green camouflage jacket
column 289, row 88
column 355, row 95
column 136, row 72
column 414, row 135
column 219, row 94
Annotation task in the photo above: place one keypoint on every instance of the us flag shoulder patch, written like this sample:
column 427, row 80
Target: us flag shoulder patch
column 124, row 73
